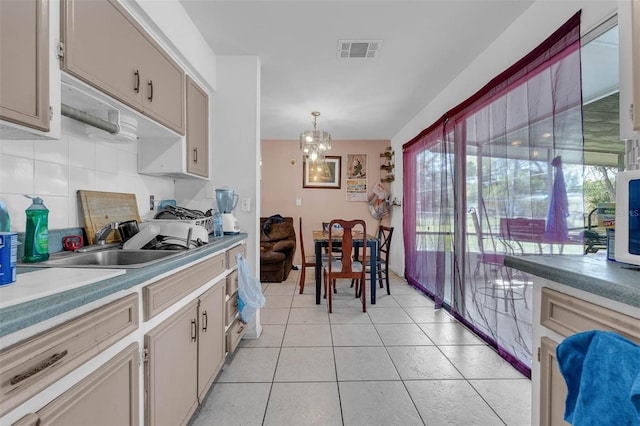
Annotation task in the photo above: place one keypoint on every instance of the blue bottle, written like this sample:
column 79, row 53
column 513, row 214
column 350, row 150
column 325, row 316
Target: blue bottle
column 217, row 225
column 36, row 238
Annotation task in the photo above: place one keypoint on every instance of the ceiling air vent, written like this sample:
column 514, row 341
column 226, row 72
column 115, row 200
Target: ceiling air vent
column 358, row 48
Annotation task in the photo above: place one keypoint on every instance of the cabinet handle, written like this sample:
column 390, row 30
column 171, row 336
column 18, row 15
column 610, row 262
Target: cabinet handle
column 205, row 321
column 150, row 97
column 240, row 329
column 44, row 364
column 195, row 155
column 194, row 330
column 136, row 87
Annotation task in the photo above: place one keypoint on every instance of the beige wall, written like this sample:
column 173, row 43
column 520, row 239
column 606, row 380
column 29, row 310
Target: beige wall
column 282, row 184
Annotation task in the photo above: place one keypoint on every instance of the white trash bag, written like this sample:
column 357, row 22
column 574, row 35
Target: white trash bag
column 250, row 297
column 377, row 201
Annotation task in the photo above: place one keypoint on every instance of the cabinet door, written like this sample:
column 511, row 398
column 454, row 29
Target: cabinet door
column 109, row 396
column 197, row 130
column 635, row 55
column 24, row 68
column 107, row 48
column 102, row 48
column 171, row 370
column 211, row 337
column 162, row 87
column 553, row 389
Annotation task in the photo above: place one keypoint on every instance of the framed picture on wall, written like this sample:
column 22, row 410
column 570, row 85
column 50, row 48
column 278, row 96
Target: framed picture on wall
column 325, row 174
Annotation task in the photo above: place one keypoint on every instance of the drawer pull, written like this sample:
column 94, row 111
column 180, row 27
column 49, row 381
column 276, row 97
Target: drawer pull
column 44, row 364
column 194, row 330
column 205, row 321
column 240, row 329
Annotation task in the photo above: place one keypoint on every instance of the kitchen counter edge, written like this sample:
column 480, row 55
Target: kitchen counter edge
column 17, row 317
column 596, row 275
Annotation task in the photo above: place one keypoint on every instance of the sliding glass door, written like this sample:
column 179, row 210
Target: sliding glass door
column 500, row 174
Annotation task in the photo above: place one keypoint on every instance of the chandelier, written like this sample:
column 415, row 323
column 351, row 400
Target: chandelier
column 315, row 143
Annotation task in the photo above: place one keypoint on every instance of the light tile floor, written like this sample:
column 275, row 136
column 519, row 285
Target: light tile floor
column 401, row 363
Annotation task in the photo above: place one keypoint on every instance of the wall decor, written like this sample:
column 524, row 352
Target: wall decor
column 357, row 166
column 357, row 177
column 322, row 174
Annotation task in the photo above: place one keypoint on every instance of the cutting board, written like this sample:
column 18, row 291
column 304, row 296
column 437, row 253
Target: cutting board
column 48, row 281
column 101, row 208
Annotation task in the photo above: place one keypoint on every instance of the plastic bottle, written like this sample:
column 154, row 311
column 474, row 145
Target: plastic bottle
column 36, row 238
column 217, row 225
column 5, row 224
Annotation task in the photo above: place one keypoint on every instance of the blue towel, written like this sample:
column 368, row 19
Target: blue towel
column 602, row 372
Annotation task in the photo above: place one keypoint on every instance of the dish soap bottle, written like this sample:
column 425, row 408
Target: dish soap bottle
column 36, row 238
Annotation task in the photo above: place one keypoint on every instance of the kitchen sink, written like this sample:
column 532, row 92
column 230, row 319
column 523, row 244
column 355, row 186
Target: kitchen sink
column 108, row 258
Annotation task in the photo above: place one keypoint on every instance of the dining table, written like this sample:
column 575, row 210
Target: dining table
column 321, row 240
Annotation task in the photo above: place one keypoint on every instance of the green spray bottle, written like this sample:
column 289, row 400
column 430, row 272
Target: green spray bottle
column 36, row 238
column 5, row 225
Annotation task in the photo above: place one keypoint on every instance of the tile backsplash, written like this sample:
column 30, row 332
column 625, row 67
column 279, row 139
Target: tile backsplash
column 55, row 170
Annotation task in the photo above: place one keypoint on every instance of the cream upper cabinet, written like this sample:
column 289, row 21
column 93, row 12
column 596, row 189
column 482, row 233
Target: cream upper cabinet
column 635, row 45
column 106, row 48
column 187, row 157
column 629, row 68
column 24, row 68
column 197, row 129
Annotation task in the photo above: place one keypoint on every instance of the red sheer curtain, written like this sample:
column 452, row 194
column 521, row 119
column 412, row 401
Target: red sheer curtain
column 429, row 172
column 515, row 149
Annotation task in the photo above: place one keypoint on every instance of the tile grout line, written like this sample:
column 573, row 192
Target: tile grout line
column 403, row 309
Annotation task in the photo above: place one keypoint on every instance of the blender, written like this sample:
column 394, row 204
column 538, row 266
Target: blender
column 227, row 200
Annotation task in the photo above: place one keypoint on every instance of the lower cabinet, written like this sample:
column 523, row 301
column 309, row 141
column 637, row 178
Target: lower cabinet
column 30, row 366
column 186, row 334
column 552, row 385
column 235, row 329
column 210, row 337
column 565, row 315
column 183, row 355
column 171, row 370
column 108, row 396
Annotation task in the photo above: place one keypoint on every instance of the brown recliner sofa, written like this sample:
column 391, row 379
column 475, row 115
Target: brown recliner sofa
column 277, row 247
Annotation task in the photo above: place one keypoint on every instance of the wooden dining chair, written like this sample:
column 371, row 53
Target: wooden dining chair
column 346, row 267
column 384, row 246
column 382, row 257
column 307, row 261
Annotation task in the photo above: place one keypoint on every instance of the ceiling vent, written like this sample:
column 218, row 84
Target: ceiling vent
column 367, row 49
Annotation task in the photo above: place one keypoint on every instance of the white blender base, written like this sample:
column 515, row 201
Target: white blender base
column 230, row 224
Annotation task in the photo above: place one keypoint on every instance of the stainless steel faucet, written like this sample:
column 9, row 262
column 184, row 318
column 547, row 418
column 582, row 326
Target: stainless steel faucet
column 103, row 233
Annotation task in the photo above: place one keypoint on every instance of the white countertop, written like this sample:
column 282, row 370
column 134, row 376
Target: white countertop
column 45, row 282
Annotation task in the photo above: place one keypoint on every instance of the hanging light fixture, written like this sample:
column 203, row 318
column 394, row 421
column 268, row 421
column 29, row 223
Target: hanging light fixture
column 315, row 143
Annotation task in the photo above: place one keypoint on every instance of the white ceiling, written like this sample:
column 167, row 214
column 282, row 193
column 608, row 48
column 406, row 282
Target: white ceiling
column 425, row 44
